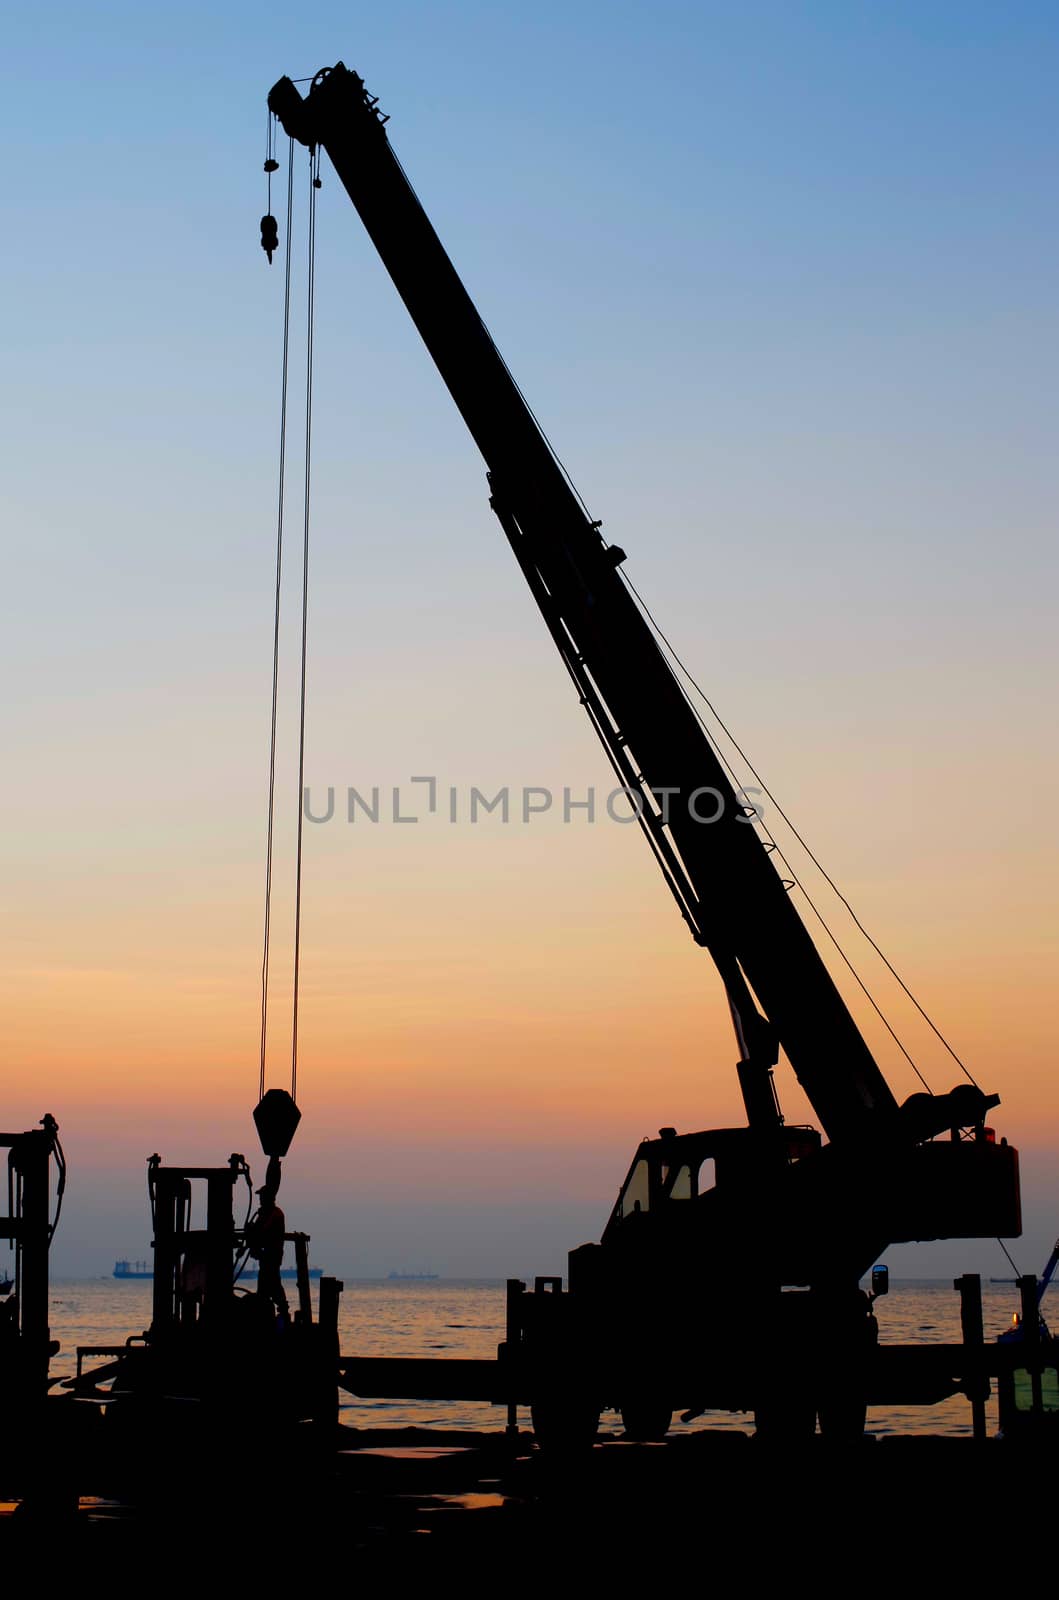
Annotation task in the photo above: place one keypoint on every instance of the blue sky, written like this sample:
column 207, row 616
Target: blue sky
column 788, row 268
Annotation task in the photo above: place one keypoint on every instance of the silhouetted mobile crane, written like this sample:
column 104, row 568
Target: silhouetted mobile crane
column 691, row 1298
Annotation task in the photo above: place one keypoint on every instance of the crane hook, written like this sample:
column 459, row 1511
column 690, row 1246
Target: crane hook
column 269, row 235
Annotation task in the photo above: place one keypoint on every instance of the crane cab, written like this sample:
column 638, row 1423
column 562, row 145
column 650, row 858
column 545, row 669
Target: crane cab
column 687, row 1167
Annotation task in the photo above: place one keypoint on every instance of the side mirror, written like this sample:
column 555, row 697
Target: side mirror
column 880, row 1281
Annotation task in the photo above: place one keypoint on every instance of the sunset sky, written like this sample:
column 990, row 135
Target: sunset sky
column 779, row 280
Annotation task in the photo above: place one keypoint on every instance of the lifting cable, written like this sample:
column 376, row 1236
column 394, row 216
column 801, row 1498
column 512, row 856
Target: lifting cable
column 683, row 671
column 314, row 173
column 774, row 846
column 773, row 843
column 314, row 177
column 314, row 184
column 812, row 856
column 795, row 882
column 279, row 575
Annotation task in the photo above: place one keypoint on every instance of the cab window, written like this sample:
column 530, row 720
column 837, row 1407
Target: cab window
column 678, row 1183
column 636, row 1196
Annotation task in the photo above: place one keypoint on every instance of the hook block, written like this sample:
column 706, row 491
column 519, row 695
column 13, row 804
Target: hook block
column 276, row 1118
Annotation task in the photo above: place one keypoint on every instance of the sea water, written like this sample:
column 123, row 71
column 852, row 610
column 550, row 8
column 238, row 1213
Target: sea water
column 448, row 1318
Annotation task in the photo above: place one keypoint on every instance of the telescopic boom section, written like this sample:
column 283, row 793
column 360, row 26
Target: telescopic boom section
column 717, row 866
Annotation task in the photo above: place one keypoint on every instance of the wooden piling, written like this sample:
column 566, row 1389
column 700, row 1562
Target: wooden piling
column 977, row 1384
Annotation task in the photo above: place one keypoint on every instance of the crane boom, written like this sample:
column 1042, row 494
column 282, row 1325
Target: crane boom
column 778, row 987
column 736, row 904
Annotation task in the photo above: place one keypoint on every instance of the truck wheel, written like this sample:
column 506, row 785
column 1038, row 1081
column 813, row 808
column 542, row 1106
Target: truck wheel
column 843, row 1419
column 560, row 1423
column 644, row 1422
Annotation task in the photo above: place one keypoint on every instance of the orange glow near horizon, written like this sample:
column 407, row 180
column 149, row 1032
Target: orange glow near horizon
column 517, row 1012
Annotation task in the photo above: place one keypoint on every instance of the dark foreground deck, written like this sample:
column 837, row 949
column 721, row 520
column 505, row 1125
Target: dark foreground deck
column 419, row 1502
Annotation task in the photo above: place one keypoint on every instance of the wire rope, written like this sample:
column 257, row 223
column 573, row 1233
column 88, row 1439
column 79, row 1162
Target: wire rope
column 794, row 830
column 314, row 184
column 276, row 622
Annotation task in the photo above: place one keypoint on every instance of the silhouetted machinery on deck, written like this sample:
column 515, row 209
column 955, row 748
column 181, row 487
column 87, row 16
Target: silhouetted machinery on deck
column 26, row 1345
column 212, row 1342
column 728, row 1273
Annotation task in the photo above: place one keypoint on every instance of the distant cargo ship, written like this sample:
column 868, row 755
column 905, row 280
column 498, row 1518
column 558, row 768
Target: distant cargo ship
column 133, row 1269
column 142, row 1269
